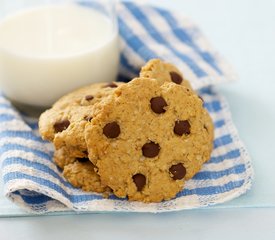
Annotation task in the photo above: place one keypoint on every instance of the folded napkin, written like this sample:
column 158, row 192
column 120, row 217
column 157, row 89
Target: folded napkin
column 33, row 181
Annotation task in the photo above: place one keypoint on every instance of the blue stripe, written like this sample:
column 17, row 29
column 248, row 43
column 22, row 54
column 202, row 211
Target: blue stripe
column 124, row 62
column 206, row 90
column 34, row 200
column 6, row 117
column 28, row 135
column 55, row 187
column 205, row 175
column 134, row 42
column 223, row 140
column 33, row 125
column 212, row 190
column 43, row 199
column 37, row 166
column 5, row 105
column 44, row 182
column 229, row 155
column 142, row 18
column 183, row 36
column 214, row 106
column 219, row 123
column 45, row 169
column 11, row 146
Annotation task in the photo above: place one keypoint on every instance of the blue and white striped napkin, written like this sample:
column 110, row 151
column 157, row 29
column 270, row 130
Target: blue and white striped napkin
column 33, row 181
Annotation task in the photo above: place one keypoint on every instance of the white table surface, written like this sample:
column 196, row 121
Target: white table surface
column 244, row 32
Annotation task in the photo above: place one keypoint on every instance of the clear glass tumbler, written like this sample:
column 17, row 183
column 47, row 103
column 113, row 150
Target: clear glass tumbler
column 51, row 47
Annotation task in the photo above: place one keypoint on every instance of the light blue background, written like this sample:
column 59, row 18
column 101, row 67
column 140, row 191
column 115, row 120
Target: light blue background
column 244, row 32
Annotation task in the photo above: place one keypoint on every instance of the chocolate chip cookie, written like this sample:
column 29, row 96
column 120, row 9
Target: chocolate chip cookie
column 81, row 174
column 64, row 123
column 149, row 138
column 164, row 72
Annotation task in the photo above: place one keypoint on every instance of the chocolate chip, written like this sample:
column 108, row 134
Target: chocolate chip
column 140, row 181
column 182, row 127
column 150, row 149
column 83, row 160
column 178, row 171
column 176, row 78
column 158, row 104
column 205, row 127
column 89, row 97
column 111, row 130
column 61, row 125
column 88, row 118
column 111, row 85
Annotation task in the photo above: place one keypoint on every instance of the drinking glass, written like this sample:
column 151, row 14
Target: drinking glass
column 51, row 47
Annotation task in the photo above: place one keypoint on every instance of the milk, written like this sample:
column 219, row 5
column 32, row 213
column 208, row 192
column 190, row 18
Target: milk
column 48, row 51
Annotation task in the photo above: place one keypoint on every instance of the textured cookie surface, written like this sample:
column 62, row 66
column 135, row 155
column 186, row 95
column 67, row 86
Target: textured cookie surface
column 163, row 72
column 149, row 138
column 64, row 123
column 81, row 174
column 62, row 157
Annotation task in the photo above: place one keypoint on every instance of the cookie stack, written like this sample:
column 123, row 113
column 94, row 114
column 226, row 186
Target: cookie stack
column 141, row 140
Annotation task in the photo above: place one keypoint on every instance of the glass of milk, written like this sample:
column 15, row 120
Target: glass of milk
column 51, row 47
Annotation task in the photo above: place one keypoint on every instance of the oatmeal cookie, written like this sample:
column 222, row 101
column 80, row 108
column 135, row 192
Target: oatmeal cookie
column 149, row 138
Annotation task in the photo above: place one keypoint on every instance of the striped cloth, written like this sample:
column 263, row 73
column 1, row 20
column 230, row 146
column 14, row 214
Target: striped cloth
column 33, row 181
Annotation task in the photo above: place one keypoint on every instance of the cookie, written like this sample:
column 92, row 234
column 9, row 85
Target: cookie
column 81, row 174
column 149, row 138
column 163, row 72
column 64, row 123
column 62, row 157
column 167, row 72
